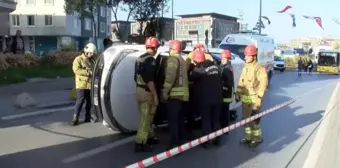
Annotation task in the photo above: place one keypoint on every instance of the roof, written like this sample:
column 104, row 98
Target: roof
column 213, row 14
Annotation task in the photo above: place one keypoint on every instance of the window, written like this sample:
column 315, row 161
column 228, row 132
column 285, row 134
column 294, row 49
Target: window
column 30, row 2
column 31, row 44
column 30, row 20
column 235, row 49
column 108, row 29
column 16, row 20
column 76, row 22
column 48, row 20
column 108, row 11
column 87, row 24
column 102, row 27
column 49, row 2
column 102, row 11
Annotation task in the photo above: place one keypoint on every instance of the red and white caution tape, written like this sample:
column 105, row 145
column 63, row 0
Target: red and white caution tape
column 174, row 151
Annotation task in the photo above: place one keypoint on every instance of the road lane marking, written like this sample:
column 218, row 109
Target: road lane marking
column 34, row 113
column 315, row 150
column 98, row 150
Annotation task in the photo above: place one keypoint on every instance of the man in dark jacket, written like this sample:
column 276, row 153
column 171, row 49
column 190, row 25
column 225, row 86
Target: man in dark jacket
column 228, row 87
column 18, row 44
column 207, row 93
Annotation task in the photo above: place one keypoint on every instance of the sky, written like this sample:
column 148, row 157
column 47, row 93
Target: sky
column 281, row 23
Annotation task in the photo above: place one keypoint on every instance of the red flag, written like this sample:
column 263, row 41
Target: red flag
column 284, row 9
column 318, row 21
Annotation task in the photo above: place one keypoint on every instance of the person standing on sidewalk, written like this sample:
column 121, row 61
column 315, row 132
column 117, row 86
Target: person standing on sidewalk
column 300, row 66
column 82, row 68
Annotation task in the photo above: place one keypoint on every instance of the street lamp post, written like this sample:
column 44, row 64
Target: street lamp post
column 173, row 21
column 260, row 18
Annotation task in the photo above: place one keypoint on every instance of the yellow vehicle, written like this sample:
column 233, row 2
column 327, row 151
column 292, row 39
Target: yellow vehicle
column 328, row 62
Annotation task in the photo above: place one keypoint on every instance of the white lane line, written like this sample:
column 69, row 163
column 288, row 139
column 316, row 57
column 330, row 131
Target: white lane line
column 315, row 151
column 98, row 150
column 34, row 113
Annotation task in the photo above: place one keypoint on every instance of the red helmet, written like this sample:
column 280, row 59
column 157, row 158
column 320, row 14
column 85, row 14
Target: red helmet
column 176, row 45
column 226, row 54
column 198, row 56
column 250, row 50
column 151, row 42
column 199, row 45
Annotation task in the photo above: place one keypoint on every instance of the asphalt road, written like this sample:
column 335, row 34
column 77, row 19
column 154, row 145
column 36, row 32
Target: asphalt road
column 49, row 140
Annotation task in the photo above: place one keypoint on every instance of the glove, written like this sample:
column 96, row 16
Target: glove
column 237, row 97
column 258, row 103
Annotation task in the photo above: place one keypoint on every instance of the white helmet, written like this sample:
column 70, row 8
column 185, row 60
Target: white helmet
column 90, row 47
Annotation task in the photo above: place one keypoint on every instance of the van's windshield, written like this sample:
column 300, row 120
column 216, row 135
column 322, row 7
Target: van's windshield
column 234, row 48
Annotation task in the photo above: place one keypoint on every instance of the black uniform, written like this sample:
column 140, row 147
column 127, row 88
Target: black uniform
column 228, row 87
column 207, row 95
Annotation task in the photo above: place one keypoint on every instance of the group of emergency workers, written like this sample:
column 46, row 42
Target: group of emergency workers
column 194, row 82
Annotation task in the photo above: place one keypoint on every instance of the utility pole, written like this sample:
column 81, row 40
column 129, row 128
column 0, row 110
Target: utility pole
column 173, row 21
column 260, row 18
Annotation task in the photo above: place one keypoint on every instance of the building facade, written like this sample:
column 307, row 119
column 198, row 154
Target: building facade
column 6, row 7
column 166, row 32
column 46, row 27
column 207, row 28
column 125, row 30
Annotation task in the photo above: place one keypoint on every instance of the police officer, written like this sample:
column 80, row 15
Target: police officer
column 250, row 90
column 175, row 92
column 207, row 90
column 198, row 47
column 82, row 68
column 147, row 97
column 228, row 87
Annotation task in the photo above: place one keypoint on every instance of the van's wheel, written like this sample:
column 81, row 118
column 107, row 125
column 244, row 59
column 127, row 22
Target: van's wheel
column 270, row 74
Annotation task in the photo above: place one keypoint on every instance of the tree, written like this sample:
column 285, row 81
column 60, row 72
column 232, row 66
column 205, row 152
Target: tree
column 336, row 46
column 146, row 10
column 124, row 5
column 85, row 9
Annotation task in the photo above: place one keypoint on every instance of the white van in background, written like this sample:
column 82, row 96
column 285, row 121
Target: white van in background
column 236, row 44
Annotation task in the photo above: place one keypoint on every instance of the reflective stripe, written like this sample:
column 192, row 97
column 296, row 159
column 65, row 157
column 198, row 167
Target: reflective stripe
column 247, row 133
column 227, row 100
column 256, row 132
column 179, row 91
column 248, row 98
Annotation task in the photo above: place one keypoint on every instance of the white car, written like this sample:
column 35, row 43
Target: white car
column 279, row 64
column 114, row 89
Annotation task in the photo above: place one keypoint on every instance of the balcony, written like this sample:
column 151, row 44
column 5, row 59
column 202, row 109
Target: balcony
column 7, row 6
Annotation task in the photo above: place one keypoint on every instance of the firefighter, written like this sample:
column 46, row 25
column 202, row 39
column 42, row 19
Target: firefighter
column 250, row 90
column 175, row 92
column 82, row 68
column 228, row 87
column 200, row 47
column 146, row 95
column 207, row 92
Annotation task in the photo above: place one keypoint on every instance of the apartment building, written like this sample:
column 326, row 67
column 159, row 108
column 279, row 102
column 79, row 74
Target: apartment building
column 195, row 27
column 6, row 7
column 46, row 27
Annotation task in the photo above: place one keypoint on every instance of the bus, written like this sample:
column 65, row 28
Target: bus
column 328, row 62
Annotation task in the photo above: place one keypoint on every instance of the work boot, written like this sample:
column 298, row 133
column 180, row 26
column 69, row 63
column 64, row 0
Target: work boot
column 217, row 142
column 143, row 147
column 153, row 141
column 245, row 141
column 254, row 144
column 87, row 120
column 206, row 145
column 75, row 120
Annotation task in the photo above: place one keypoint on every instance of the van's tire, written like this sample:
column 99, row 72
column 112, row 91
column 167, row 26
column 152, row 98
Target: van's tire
column 270, row 74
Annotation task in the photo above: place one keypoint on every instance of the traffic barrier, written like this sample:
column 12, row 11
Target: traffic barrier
column 174, row 151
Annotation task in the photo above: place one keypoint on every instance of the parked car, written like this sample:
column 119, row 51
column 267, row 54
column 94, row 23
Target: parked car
column 279, row 64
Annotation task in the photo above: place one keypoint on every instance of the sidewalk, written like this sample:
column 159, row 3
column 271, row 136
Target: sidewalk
column 325, row 150
column 50, row 92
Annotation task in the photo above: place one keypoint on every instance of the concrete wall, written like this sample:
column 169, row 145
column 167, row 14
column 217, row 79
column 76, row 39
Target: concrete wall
column 4, row 26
